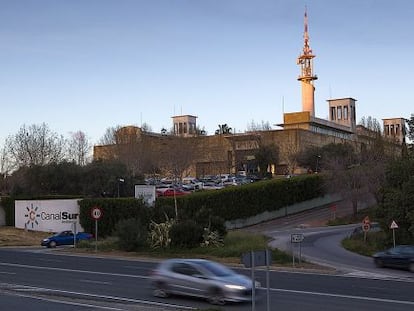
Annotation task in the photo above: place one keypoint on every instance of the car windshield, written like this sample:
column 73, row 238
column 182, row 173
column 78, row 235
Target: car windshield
column 216, row 269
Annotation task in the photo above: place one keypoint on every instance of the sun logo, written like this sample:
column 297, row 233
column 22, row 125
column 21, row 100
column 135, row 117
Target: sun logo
column 31, row 216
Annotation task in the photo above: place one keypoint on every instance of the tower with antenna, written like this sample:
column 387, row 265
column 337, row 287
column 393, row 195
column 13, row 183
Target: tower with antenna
column 305, row 60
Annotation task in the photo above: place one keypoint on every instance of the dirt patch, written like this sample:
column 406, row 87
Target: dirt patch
column 10, row 236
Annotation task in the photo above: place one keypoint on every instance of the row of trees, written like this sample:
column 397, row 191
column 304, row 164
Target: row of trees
column 38, row 145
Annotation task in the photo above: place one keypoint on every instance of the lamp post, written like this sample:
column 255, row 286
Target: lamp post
column 317, row 163
column 119, row 181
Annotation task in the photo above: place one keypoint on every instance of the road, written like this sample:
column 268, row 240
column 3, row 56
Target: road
column 47, row 278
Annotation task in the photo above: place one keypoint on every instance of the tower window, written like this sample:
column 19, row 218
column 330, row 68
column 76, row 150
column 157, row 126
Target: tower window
column 345, row 112
column 333, row 113
column 339, row 113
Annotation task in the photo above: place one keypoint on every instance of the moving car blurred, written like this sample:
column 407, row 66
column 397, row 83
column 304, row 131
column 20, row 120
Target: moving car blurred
column 65, row 238
column 201, row 278
column 401, row 256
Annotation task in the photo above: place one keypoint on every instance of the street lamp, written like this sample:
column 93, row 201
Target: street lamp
column 317, row 163
column 119, row 181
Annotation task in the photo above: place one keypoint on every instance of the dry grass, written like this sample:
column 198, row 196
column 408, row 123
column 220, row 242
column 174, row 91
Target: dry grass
column 10, row 236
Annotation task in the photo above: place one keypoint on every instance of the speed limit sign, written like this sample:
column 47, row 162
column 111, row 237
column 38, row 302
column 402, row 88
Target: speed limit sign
column 96, row 213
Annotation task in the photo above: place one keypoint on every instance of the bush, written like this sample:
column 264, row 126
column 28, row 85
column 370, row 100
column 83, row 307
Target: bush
column 132, row 235
column 186, row 234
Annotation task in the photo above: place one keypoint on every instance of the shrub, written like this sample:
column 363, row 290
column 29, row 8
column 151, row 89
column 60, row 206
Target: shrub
column 132, row 235
column 159, row 233
column 186, row 234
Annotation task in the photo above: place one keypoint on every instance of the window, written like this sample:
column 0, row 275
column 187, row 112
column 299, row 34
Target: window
column 185, row 269
column 339, row 113
column 387, row 130
column 333, row 113
column 345, row 112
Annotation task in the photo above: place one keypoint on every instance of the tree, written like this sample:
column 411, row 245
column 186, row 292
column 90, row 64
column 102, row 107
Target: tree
column 266, row 155
column 398, row 199
column 256, row 127
column 35, row 145
column 371, row 124
column 223, row 129
column 109, row 138
column 344, row 173
column 410, row 132
column 5, row 170
column 145, row 127
column 79, row 148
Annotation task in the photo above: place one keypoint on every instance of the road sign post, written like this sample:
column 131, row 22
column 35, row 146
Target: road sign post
column 74, row 234
column 254, row 259
column 366, row 226
column 297, row 238
column 96, row 214
column 393, row 226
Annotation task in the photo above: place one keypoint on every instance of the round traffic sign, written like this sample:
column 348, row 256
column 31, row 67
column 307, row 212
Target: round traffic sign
column 366, row 227
column 96, row 213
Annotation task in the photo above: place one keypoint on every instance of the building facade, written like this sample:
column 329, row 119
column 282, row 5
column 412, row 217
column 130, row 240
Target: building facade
column 200, row 155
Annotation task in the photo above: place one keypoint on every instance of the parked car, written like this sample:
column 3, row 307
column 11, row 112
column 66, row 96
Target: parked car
column 169, row 192
column 191, row 183
column 65, row 238
column 201, row 278
column 401, row 256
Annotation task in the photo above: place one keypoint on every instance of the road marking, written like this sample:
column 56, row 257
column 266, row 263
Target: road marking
column 119, row 299
column 404, row 302
column 70, row 303
column 73, row 270
column 95, row 282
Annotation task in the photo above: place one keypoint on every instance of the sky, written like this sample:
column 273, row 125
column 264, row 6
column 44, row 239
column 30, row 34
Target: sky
column 87, row 65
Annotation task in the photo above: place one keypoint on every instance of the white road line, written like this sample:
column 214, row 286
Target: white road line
column 95, row 282
column 11, row 273
column 119, row 299
column 73, row 270
column 404, row 302
column 70, row 303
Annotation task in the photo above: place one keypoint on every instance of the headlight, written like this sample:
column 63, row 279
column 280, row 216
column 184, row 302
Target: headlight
column 45, row 240
column 235, row 287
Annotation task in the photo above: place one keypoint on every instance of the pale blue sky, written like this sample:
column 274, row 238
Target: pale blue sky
column 91, row 64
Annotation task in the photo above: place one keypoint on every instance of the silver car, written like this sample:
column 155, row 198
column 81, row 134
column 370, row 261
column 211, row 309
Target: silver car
column 201, row 278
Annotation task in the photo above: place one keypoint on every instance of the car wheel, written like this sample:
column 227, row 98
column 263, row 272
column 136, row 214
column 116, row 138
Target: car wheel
column 411, row 266
column 379, row 263
column 52, row 244
column 160, row 290
column 215, row 297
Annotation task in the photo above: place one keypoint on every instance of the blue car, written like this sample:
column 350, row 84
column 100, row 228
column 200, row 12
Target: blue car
column 65, row 238
column 401, row 256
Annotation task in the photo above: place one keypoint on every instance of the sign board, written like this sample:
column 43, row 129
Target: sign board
column 366, row 227
column 96, row 213
column 393, row 225
column 146, row 192
column 47, row 215
column 259, row 258
column 297, row 238
column 366, row 220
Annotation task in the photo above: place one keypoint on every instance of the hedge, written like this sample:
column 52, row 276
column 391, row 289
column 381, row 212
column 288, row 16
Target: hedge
column 248, row 200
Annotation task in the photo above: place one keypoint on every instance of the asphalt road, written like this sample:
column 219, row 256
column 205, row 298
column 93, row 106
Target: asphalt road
column 45, row 278
column 322, row 245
